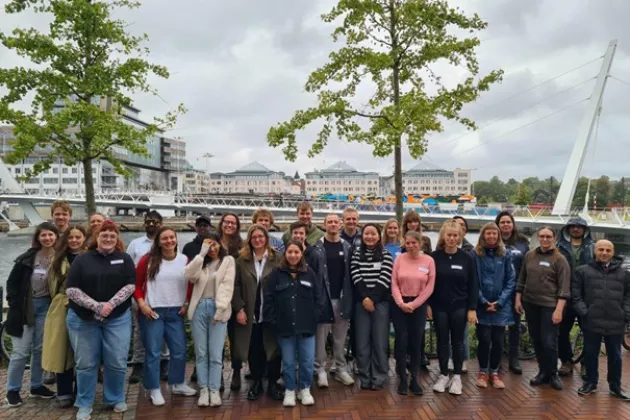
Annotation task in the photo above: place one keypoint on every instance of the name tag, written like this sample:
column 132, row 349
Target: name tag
column 40, row 271
column 116, row 262
column 516, row 252
column 423, row 269
column 377, row 265
column 306, row 283
column 341, row 253
column 545, row 264
column 456, row 267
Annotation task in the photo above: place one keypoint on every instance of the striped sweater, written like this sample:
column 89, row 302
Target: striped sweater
column 371, row 278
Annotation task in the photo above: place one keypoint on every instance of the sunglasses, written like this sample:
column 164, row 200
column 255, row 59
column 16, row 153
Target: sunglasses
column 151, row 222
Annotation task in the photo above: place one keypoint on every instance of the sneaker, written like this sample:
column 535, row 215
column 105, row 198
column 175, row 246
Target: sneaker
column 84, row 413
column 456, row 385
column 13, row 399
column 451, row 366
column 204, row 398
column 183, row 389
column 441, row 384
column 496, row 381
column 305, row 396
column 322, row 379
column 345, row 378
column 464, row 367
column 565, row 369
column 618, row 393
column 120, row 407
column 289, row 398
column 156, row 397
column 215, row 398
column 482, row 380
column 587, row 388
column 43, row 392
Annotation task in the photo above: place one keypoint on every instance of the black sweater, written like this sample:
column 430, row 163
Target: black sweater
column 456, row 283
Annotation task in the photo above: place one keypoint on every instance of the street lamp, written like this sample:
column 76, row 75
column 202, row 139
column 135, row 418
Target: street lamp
column 207, row 157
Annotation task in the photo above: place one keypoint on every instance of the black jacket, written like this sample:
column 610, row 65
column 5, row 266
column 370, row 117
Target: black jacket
column 602, row 298
column 292, row 306
column 328, row 315
column 18, row 288
column 193, row 248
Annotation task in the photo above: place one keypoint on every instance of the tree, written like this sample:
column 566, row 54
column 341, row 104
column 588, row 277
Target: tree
column 523, row 196
column 390, row 47
column 602, row 191
column 619, row 192
column 84, row 70
column 580, row 192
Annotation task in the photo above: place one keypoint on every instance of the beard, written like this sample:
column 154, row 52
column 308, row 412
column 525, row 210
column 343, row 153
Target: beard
column 151, row 230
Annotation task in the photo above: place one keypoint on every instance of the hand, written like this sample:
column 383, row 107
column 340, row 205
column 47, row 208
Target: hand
column 106, row 309
column 407, row 308
column 518, row 306
column 214, row 321
column 205, row 247
column 368, row 305
column 556, row 318
column 241, row 318
column 183, row 310
column 492, row 307
column 429, row 313
column 472, row 317
column 147, row 311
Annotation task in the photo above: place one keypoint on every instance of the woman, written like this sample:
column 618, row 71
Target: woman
column 392, row 238
column 253, row 340
column 543, row 289
column 465, row 245
column 413, row 279
column 57, row 354
column 412, row 221
column 209, row 311
column 494, row 309
column 454, row 300
column 101, row 282
column 29, row 299
column 371, row 273
column 292, row 305
column 230, row 234
column 163, row 294
column 517, row 245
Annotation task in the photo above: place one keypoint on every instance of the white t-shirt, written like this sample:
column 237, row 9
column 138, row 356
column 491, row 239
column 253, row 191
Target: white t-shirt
column 138, row 248
column 169, row 287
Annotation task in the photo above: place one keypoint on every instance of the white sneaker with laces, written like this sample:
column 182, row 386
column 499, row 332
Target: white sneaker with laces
column 289, row 398
column 322, row 379
column 345, row 378
column 120, row 407
column 157, row 399
column 204, row 398
column 441, row 383
column 306, row 397
column 215, row 398
column 456, row 385
column 183, row 389
column 451, row 366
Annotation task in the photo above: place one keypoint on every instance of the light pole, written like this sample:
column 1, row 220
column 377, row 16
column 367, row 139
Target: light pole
column 207, row 157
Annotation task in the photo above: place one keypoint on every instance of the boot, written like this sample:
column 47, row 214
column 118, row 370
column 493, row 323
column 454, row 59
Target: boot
column 514, row 342
column 541, row 378
column 274, row 391
column 255, row 391
column 402, row 386
column 515, row 366
column 236, row 380
column 414, row 385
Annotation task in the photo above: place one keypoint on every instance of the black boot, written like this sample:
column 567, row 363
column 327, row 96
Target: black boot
column 236, row 380
column 555, row 382
column 255, row 391
column 414, row 385
column 515, row 366
column 541, row 378
column 402, row 386
column 136, row 374
column 164, row 366
column 274, row 391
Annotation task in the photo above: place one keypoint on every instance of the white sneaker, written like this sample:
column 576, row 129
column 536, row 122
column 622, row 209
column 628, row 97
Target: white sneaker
column 345, row 378
column 440, row 385
column 204, row 398
column 183, row 389
column 157, row 399
column 289, row 398
column 464, row 367
column 322, row 379
column 306, row 397
column 120, row 407
column 456, row 385
column 451, row 366
column 215, row 398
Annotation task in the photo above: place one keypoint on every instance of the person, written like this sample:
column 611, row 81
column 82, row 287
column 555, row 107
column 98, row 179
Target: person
column 371, row 274
column 163, row 296
column 57, row 354
column 542, row 291
column 601, row 296
column 305, row 215
column 412, row 221
column 517, row 245
column 453, row 302
column 392, row 239
column 264, row 218
column 61, row 212
column 137, row 249
column 497, row 283
column 230, row 234
column 101, row 282
column 299, row 232
column 465, row 246
column 576, row 244
column 255, row 341
column 95, row 221
column 209, row 310
column 351, row 232
column 337, row 302
column 413, row 280
column 292, row 306
column 29, row 299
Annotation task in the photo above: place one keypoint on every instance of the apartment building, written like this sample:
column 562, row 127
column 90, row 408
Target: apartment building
column 341, row 179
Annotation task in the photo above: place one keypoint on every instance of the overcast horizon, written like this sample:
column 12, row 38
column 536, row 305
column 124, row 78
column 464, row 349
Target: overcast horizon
column 240, row 67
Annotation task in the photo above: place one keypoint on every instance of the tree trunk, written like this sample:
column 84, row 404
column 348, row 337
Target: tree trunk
column 398, row 185
column 88, row 178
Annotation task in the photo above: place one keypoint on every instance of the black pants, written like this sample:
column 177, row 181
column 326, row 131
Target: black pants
column 409, row 330
column 236, row 364
column 490, row 347
column 544, row 335
column 258, row 358
column 565, row 352
column 514, row 337
column 449, row 326
column 592, row 345
column 65, row 385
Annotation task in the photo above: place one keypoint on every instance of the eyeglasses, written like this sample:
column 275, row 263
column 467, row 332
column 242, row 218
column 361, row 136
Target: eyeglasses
column 229, row 223
column 151, row 222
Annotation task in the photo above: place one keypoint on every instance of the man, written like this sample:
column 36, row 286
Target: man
column 264, row 218
column 299, row 232
column 576, row 245
column 335, row 256
column 351, row 232
column 61, row 212
column 137, row 249
column 203, row 227
column 305, row 216
column 601, row 296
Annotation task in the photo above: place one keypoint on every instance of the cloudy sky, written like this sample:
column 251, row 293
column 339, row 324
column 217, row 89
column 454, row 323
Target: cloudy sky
column 240, row 66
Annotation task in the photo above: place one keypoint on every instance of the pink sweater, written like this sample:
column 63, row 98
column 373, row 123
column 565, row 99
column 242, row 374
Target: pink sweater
column 413, row 277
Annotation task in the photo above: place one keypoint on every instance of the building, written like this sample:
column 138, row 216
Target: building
column 252, row 178
column 341, row 179
column 425, row 178
column 195, row 182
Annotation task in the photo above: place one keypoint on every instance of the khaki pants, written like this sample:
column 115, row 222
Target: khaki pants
column 339, row 333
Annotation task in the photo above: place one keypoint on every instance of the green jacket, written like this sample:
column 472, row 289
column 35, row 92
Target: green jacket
column 313, row 235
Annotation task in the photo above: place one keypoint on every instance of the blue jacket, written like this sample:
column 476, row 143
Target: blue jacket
column 497, row 282
column 517, row 252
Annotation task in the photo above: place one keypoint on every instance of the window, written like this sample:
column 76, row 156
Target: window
column 64, row 170
column 74, row 170
column 55, row 170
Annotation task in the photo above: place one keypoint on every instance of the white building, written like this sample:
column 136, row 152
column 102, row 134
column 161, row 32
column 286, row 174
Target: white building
column 252, row 178
column 425, row 178
column 341, row 179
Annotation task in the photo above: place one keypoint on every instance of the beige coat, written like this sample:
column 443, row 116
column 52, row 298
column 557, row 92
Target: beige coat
column 223, row 286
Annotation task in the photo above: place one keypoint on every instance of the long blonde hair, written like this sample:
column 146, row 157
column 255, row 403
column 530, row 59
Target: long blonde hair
column 449, row 224
column 386, row 239
column 248, row 250
column 480, row 249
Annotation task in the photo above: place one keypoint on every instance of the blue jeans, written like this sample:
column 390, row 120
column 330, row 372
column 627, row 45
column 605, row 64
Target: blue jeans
column 305, row 348
column 93, row 341
column 209, row 340
column 170, row 327
column 592, row 345
column 30, row 343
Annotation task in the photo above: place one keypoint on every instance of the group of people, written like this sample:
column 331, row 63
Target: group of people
column 76, row 299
